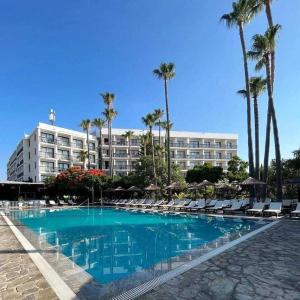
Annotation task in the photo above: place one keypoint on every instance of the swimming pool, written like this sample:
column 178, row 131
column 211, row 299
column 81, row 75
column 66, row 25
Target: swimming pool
column 116, row 246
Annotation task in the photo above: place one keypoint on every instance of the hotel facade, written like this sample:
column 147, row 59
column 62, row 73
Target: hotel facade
column 49, row 150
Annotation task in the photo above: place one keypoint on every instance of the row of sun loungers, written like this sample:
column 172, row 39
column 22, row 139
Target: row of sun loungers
column 214, row 206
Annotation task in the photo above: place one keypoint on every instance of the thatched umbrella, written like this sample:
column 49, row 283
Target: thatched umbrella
column 119, row 189
column 152, row 188
column 252, row 182
column 193, row 186
column 134, row 189
column 174, row 186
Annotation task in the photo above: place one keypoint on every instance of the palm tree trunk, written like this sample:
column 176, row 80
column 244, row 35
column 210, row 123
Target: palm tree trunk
column 88, row 148
column 275, row 131
column 267, row 147
column 129, row 145
column 256, row 124
column 153, row 157
column 250, row 143
column 100, row 150
column 168, row 133
column 159, row 135
column 110, row 150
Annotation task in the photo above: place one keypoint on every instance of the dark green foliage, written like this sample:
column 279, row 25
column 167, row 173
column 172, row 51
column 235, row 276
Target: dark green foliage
column 206, row 171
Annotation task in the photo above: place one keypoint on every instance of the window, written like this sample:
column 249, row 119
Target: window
column 194, row 144
column 106, row 141
column 121, row 165
column 47, row 152
column 219, row 155
column 92, row 146
column 218, row 144
column 182, row 165
column 207, row 144
column 63, row 141
column 120, row 153
column 207, row 155
column 134, row 142
column 229, row 155
column 63, row 154
column 47, row 166
column 181, row 154
column 194, row 155
column 120, row 141
column 47, row 137
column 229, row 145
column 180, row 143
column 92, row 158
column 134, row 153
column 62, row 166
column 78, row 144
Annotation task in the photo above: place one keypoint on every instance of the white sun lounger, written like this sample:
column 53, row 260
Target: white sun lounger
column 258, row 208
column 62, row 202
column 218, row 206
column 237, row 205
column 274, row 209
column 296, row 212
column 52, row 202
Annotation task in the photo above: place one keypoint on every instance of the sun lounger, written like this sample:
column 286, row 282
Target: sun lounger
column 296, row 212
column 157, row 204
column 236, row 206
column 71, row 202
column 52, row 203
column 191, row 205
column 200, row 204
column 179, row 205
column 274, row 209
column 258, row 208
column 62, row 202
column 218, row 206
column 211, row 203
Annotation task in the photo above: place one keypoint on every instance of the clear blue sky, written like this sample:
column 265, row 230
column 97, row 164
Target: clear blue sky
column 61, row 54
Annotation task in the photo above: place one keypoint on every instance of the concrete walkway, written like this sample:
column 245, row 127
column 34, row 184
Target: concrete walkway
column 266, row 266
column 19, row 277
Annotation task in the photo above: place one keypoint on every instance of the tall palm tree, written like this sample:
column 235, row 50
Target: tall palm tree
column 159, row 114
column 164, row 125
column 86, row 126
column 110, row 114
column 242, row 13
column 166, row 72
column 129, row 135
column 144, row 141
column 262, row 48
column 149, row 120
column 257, row 87
column 83, row 155
column 99, row 123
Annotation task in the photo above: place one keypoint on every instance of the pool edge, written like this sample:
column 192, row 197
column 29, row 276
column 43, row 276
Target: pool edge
column 150, row 285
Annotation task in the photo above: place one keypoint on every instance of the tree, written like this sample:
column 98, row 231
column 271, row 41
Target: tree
column 149, row 121
column 158, row 115
column 86, row 126
column 242, row 13
column 261, row 51
column 204, row 172
column 109, row 114
column 164, row 125
column 257, row 87
column 237, row 169
column 129, row 135
column 83, row 155
column 99, row 123
column 166, row 72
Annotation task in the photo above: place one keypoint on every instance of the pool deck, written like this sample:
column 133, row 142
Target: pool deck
column 267, row 266
column 19, row 276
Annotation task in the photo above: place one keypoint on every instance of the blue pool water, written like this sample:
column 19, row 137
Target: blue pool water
column 113, row 244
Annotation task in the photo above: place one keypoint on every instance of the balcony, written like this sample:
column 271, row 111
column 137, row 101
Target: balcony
column 47, row 140
column 63, row 144
column 63, row 157
column 47, row 169
column 47, row 155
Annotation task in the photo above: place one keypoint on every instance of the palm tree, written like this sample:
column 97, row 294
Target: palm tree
column 262, row 48
column 158, row 114
column 242, row 13
column 149, row 120
column 99, row 123
column 110, row 114
column 164, row 125
column 129, row 135
column 86, row 126
column 166, row 72
column 144, row 140
column 83, row 155
column 257, row 87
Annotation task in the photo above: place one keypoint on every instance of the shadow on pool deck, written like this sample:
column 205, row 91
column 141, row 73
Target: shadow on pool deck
column 267, row 266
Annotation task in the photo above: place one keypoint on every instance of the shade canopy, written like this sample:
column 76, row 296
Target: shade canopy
column 252, row 181
column 173, row 186
column 205, row 183
column 193, row 186
column 134, row 189
column 119, row 189
column 152, row 187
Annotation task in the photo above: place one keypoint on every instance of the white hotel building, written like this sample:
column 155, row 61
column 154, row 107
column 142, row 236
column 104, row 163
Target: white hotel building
column 50, row 149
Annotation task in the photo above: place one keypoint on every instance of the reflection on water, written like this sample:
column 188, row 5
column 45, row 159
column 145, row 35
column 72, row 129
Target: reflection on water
column 111, row 244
